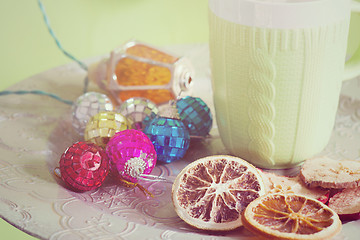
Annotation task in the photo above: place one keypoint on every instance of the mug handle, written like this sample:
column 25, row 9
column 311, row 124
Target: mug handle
column 352, row 66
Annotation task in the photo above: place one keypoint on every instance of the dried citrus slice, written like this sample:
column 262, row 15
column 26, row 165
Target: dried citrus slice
column 330, row 173
column 291, row 216
column 211, row 192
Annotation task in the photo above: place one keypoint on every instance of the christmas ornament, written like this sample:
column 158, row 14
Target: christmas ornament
column 138, row 111
column 84, row 166
column 131, row 154
column 86, row 106
column 169, row 135
column 195, row 114
column 140, row 70
column 102, row 126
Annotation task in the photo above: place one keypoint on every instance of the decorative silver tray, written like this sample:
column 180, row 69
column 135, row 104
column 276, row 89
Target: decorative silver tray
column 35, row 130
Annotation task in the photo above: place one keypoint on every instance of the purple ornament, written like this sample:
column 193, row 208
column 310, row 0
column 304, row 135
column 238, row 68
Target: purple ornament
column 131, row 154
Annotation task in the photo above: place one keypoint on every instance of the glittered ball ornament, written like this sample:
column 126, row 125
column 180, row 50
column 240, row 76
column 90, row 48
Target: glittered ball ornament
column 170, row 137
column 84, row 166
column 86, row 106
column 139, row 111
column 131, row 154
column 195, row 114
column 102, row 126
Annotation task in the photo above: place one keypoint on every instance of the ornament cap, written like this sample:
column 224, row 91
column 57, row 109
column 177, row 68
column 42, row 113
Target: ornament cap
column 170, row 111
column 134, row 167
column 186, row 81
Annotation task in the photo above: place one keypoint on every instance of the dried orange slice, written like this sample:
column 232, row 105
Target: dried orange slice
column 211, row 192
column 291, row 216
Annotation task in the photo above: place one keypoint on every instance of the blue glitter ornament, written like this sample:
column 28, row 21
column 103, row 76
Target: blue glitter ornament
column 195, row 115
column 170, row 137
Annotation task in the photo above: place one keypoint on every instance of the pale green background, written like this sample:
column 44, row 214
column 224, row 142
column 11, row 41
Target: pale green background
column 88, row 28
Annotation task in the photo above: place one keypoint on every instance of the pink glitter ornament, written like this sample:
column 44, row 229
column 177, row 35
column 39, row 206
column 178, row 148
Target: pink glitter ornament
column 131, row 154
column 84, row 166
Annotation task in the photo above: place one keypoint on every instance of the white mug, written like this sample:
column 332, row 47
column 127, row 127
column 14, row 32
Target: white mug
column 277, row 68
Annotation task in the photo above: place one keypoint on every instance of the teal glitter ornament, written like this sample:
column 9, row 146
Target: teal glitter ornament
column 195, row 115
column 169, row 136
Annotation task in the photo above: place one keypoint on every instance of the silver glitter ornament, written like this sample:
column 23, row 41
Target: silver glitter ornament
column 88, row 105
column 139, row 111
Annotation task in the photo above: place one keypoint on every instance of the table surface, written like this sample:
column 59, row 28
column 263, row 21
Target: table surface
column 34, row 131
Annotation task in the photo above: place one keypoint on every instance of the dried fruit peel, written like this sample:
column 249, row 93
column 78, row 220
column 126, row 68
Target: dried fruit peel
column 211, row 192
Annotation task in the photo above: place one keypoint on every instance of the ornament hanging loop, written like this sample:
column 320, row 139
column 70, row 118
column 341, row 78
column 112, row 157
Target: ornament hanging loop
column 153, row 178
column 57, row 172
column 133, row 185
